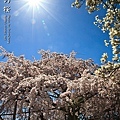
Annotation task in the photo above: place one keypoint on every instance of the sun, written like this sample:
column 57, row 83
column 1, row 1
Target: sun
column 34, row 6
column 33, row 3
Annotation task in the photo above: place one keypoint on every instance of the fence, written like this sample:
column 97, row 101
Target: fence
column 109, row 114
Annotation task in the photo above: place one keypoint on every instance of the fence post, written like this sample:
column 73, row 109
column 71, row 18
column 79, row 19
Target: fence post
column 29, row 114
column 15, row 110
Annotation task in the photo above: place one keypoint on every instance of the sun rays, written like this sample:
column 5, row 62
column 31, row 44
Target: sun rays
column 36, row 8
column 34, row 12
column 30, row 6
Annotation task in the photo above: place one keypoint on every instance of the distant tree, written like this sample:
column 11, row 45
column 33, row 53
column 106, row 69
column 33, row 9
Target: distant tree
column 56, row 87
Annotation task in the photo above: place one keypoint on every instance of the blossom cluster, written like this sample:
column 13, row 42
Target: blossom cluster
column 76, row 4
column 93, row 5
column 111, row 23
column 57, row 87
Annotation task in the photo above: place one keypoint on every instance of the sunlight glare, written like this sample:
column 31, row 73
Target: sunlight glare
column 33, row 3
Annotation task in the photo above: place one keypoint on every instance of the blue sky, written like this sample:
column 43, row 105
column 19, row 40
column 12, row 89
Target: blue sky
column 54, row 25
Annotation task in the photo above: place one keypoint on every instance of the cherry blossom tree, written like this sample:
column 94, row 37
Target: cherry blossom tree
column 57, row 86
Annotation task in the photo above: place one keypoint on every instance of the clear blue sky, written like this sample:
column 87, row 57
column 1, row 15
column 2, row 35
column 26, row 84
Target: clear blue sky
column 53, row 25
